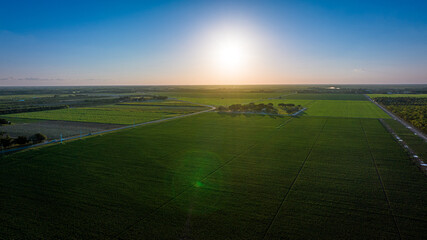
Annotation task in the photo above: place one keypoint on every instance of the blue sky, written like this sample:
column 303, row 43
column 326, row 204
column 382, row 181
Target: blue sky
column 161, row 42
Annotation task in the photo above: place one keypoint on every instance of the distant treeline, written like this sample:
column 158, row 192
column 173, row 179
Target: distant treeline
column 401, row 100
column 30, row 109
column 141, row 98
column 335, row 91
column 412, row 110
column 260, row 108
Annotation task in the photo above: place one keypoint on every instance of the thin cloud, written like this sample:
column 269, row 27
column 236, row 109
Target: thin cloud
column 359, row 70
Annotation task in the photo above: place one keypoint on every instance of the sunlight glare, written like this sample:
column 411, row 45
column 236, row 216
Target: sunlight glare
column 230, row 54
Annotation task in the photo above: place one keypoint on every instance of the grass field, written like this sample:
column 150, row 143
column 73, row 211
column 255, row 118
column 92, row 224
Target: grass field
column 115, row 114
column 216, row 176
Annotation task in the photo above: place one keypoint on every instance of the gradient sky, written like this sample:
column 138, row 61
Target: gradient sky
column 164, row 42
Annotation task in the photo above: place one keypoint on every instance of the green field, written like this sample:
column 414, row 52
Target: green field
column 415, row 142
column 221, row 98
column 397, row 95
column 333, row 108
column 235, row 98
column 167, row 103
column 324, row 96
column 218, row 176
column 116, row 114
column 348, row 109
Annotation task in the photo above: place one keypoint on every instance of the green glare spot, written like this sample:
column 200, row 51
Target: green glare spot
column 199, row 184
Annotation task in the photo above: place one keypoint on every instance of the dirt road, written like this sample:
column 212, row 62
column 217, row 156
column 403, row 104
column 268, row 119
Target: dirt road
column 403, row 122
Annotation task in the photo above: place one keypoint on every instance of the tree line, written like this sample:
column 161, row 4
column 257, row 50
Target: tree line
column 401, row 100
column 31, row 109
column 412, row 110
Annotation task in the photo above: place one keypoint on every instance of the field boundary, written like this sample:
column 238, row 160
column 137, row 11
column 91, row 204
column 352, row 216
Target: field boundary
column 390, row 209
column 397, row 118
column 412, row 154
column 295, row 179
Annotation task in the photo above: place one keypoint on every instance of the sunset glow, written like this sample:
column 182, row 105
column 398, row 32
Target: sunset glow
column 230, row 54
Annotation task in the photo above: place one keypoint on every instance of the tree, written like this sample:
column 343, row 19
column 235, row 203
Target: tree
column 38, row 138
column 4, row 121
column 222, row 109
column 21, row 140
column 6, row 141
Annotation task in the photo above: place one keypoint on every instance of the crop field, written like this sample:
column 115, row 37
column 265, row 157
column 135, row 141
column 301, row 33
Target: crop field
column 114, row 114
column 167, row 103
column 334, row 108
column 415, row 142
column 216, row 176
column 348, row 109
column 305, row 96
column 222, row 98
column 54, row 129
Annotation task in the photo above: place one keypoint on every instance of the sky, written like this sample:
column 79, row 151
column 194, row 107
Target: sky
column 47, row 43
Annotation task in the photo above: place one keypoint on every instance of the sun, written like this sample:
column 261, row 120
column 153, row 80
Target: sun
column 230, row 54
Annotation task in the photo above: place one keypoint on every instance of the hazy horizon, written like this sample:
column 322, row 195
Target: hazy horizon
column 50, row 43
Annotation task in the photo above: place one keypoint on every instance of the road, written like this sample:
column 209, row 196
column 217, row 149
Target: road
column 403, row 122
column 107, row 131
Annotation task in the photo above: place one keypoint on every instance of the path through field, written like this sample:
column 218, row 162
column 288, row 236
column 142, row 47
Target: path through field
column 403, row 122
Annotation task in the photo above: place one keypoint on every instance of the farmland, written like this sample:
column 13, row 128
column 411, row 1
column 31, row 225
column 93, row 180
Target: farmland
column 412, row 109
column 416, row 143
column 221, row 97
column 305, row 96
column 218, row 175
column 335, row 108
column 53, row 129
column 115, row 114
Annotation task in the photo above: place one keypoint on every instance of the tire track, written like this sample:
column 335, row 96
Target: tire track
column 381, row 181
column 116, row 236
column 293, row 182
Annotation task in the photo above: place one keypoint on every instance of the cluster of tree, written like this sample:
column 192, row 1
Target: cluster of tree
column 411, row 109
column 7, row 142
column 4, row 121
column 290, row 108
column 251, row 107
column 414, row 114
column 401, row 101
